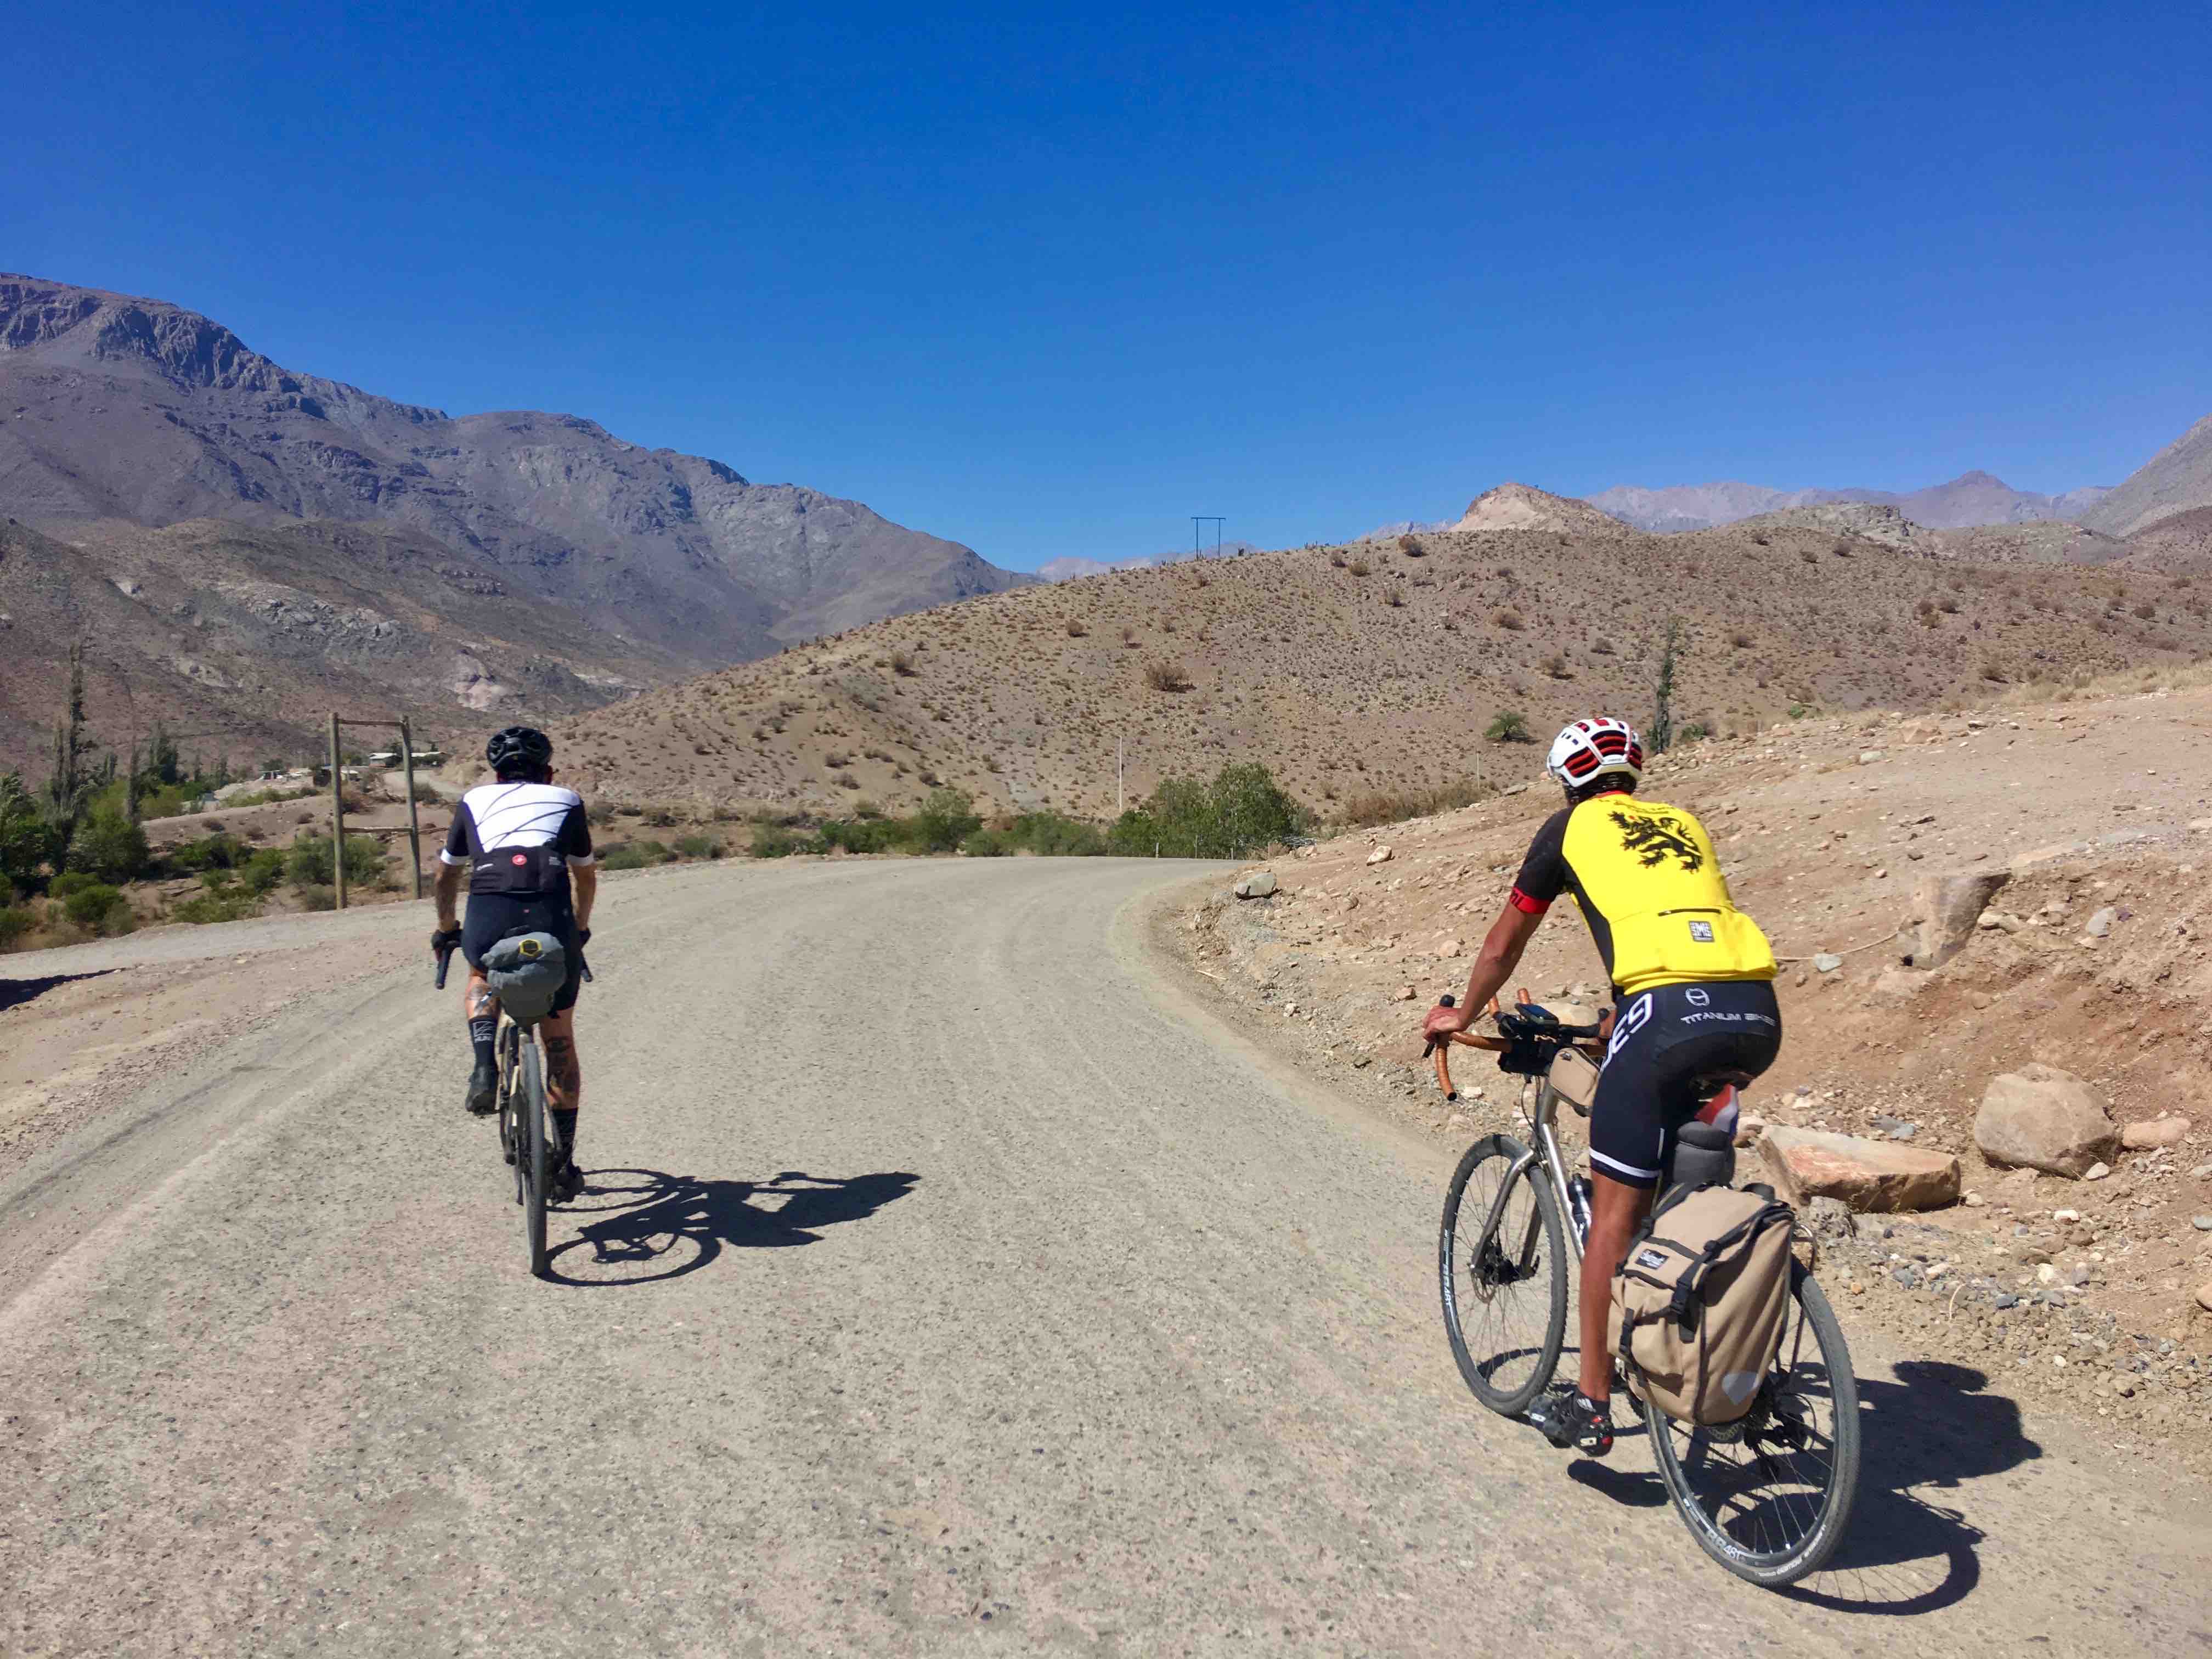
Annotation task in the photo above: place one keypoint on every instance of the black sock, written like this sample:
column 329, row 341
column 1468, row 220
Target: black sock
column 480, row 1033
column 564, row 1125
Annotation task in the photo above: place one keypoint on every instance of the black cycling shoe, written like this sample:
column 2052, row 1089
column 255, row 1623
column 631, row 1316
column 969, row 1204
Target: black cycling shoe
column 565, row 1184
column 483, row 1089
column 1568, row 1417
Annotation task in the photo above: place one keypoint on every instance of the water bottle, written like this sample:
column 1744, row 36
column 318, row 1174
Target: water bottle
column 1578, row 1202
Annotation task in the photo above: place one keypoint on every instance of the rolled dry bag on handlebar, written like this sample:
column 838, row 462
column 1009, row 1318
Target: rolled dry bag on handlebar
column 526, row 972
column 1699, row 1306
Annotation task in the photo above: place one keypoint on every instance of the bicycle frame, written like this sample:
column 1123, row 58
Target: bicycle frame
column 1542, row 1123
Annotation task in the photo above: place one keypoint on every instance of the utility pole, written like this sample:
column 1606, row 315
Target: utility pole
column 1118, row 808
column 337, row 817
column 413, row 830
column 1213, row 518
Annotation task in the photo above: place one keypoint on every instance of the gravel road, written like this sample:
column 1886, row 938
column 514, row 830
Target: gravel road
column 952, row 1280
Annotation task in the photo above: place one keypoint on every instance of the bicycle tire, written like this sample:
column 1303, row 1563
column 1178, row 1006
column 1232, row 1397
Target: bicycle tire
column 1468, row 1273
column 533, row 1159
column 1773, row 1568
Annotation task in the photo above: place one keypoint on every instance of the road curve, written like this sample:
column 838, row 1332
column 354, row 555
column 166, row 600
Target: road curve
column 953, row 1283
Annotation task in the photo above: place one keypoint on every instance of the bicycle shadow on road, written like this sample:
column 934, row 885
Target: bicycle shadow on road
column 646, row 1226
column 1934, row 1427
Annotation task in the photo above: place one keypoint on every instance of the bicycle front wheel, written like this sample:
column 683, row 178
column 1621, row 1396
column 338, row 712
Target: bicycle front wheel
column 532, row 1160
column 1768, row 1497
column 1502, row 1268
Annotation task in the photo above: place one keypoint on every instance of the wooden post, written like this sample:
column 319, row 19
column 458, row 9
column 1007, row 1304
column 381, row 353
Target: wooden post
column 413, row 830
column 337, row 816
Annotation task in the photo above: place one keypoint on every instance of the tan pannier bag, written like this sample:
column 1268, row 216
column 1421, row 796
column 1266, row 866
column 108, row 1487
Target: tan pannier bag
column 1574, row 1075
column 1699, row 1306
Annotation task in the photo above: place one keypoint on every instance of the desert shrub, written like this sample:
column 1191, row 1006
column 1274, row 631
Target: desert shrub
column 1166, row 676
column 636, row 855
column 1948, row 605
column 987, row 844
column 1336, row 561
column 1243, row 810
column 861, row 836
column 1695, row 731
column 836, row 758
column 947, row 818
column 307, row 861
column 230, row 905
column 217, row 851
column 2146, row 610
column 69, row 881
column 100, row 909
column 1052, row 835
column 1798, row 711
column 1509, row 620
column 903, row 665
column 1396, row 599
column 318, row 897
column 1741, row 641
column 699, row 847
column 1393, row 805
column 109, row 846
column 1556, row 666
column 1076, row 630
column 773, row 841
column 261, row 871
column 1602, row 647
column 1508, row 725
column 1360, row 568
column 16, row 921
column 1412, row 548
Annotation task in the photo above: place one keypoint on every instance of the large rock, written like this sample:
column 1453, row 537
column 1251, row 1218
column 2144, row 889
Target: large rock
column 1945, row 909
column 2159, row 1132
column 2041, row 1118
column 1867, row 1175
column 1259, row 884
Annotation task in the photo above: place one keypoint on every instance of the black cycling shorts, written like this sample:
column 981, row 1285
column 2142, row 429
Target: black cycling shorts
column 495, row 916
column 1664, row 1041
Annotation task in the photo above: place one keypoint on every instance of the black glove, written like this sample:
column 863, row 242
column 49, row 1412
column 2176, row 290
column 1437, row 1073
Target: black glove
column 583, row 938
column 441, row 940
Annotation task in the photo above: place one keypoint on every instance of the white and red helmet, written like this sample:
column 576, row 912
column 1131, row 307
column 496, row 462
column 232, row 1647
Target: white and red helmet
column 1588, row 749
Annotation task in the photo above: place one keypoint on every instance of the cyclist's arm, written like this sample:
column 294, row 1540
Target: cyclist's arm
column 1494, row 963
column 587, row 879
column 574, row 841
column 448, row 891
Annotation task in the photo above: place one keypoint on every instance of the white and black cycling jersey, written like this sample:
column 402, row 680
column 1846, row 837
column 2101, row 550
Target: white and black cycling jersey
column 519, row 837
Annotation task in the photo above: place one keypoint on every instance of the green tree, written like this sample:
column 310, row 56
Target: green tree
column 108, row 845
column 27, row 840
column 307, row 861
column 1508, row 725
column 1661, row 737
column 947, row 818
column 1243, row 810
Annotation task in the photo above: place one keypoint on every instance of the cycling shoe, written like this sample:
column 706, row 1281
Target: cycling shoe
column 566, row 1183
column 483, row 1089
column 1568, row 1417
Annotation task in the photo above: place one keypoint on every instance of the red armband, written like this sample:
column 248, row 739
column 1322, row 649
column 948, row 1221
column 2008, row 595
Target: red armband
column 1521, row 902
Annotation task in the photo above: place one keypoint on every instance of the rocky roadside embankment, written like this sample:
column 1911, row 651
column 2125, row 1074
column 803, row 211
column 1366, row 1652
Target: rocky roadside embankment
column 1993, row 1093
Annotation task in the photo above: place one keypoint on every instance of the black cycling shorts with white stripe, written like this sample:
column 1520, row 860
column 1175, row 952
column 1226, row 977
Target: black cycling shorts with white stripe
column 1664, row 1039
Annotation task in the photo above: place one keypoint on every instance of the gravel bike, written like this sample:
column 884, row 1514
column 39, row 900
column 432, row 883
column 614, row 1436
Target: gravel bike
column 1767, row 1496
column 527, row 1140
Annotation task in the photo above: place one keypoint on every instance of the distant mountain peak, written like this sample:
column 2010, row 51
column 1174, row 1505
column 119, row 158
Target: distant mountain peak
column 1524, row 506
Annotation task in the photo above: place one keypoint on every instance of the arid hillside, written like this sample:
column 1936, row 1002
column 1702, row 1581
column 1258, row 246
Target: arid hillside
column 248, row 636
column 1367, row 668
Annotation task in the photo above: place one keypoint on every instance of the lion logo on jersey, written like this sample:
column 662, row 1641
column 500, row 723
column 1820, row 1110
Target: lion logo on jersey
column 1656, row 838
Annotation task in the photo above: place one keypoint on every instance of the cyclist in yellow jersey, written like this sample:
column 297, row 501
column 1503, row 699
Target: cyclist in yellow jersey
column 1693, row 994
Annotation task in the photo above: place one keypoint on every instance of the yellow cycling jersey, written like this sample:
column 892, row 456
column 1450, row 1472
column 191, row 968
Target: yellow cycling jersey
column 1649, row 885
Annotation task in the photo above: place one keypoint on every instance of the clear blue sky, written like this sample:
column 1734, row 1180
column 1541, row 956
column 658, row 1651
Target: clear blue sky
column 1050, row 283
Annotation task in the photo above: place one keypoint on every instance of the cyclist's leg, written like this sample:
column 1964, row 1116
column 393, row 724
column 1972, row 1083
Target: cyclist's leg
column 1628, row 1145
column 481, row 928
column 564, row 1071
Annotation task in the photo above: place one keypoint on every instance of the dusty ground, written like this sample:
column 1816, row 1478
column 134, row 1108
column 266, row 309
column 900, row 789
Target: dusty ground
column 2096, row 806
column 1068, row 1323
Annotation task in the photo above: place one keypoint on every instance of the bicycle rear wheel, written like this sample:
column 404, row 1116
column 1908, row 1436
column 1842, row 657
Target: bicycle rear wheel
column 1768, row 1497
column 1501, row 1266
column 532, row 1160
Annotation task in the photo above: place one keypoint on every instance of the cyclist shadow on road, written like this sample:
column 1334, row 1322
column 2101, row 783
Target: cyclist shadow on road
column 1935, row 1427
column 643, row 1226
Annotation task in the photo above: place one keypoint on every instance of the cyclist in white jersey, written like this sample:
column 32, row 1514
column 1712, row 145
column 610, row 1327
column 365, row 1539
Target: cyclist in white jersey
column 526, row 852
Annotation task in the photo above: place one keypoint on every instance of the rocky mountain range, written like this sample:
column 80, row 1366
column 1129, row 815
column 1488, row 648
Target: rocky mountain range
column 115, row 408
column 1973, row 498
column 2175, row 480
column 1072, row 567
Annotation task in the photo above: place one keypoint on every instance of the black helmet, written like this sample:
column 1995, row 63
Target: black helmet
column 519, row 749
